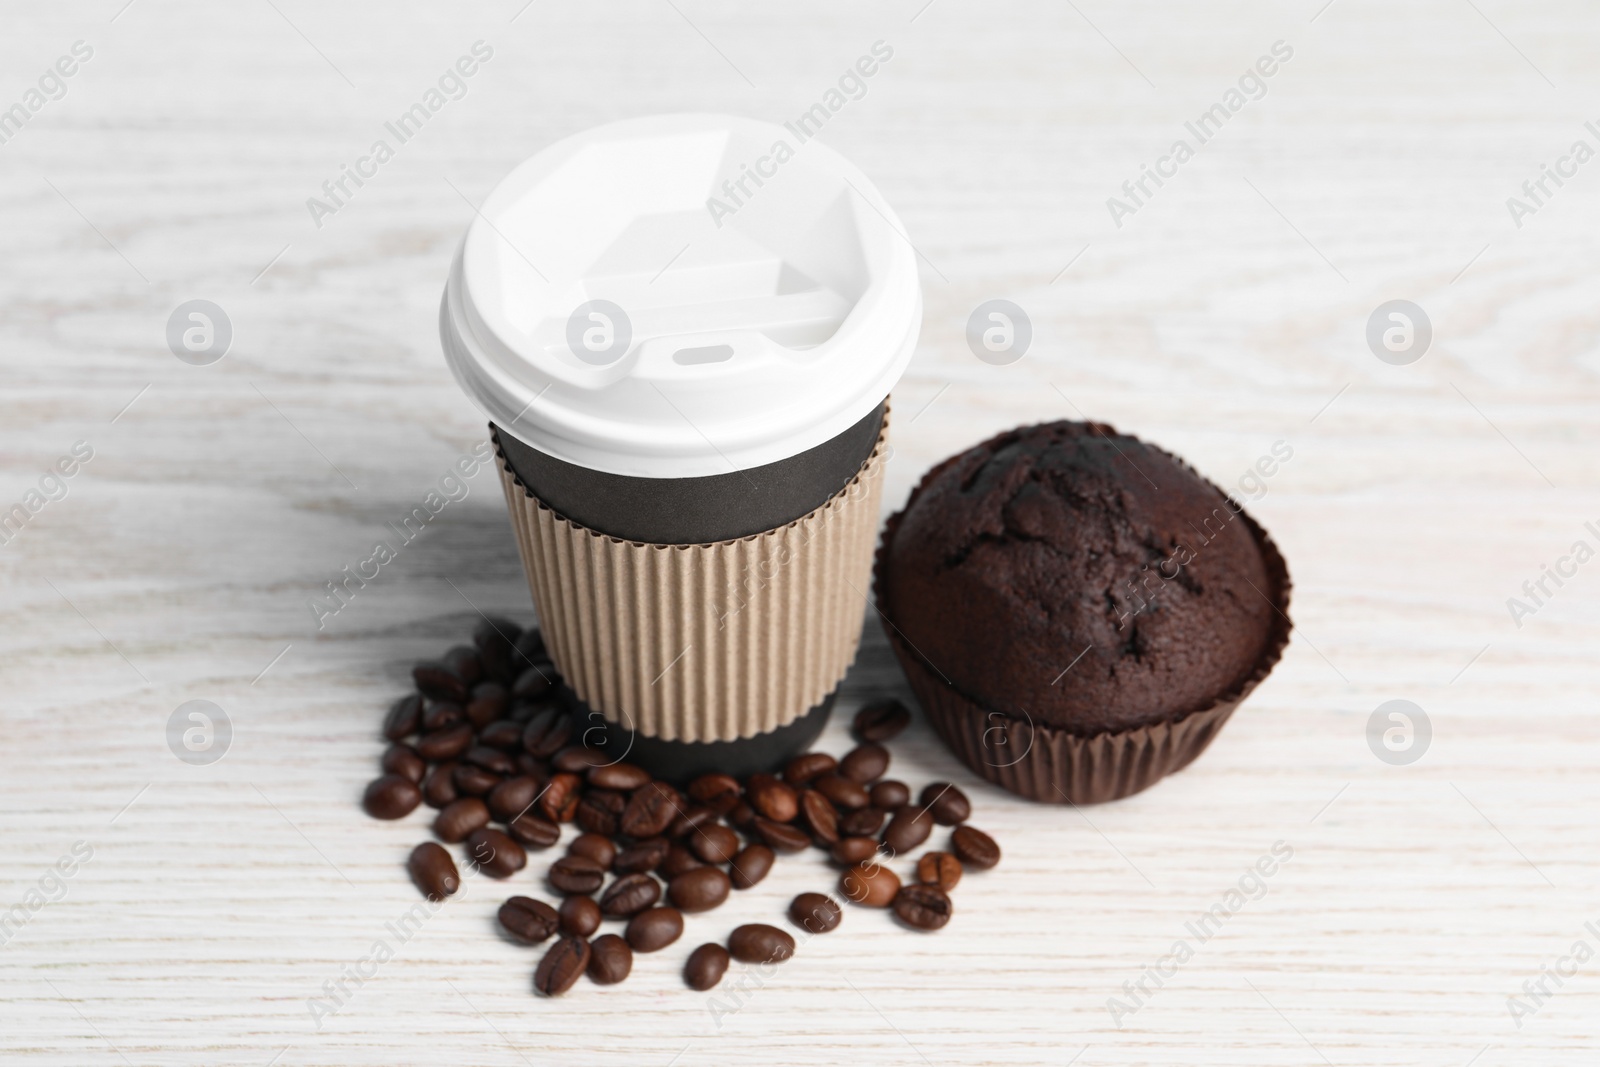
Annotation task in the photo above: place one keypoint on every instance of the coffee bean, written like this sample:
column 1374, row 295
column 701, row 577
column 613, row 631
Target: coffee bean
column 575, row 875
column 473, row 780
column 714, row 843
column 808, row 767
column 622, row 777
column 592, row 846
column 781, row 837
column 578, row 759
column 605, row 752
column 404, row 718
column 530, row 645
column 699, row 890
column 433, row 871
column 722, row 805
column 889, row 795
column 922, row 907
column 629, row 895
column 850, row 851
column 864, row 823
column 865, row 763
column 691, row 820
column 580, row 916
column 464, row 663
column 533, row 683
column 400, row 758
column 523, row 711
column 494, row 853
column 459, row 818
column 530, row 830
column 529, row 651
column 437, row 681
column 548, row 690
column 939, row 869
column 948, row 805
column 496, row 667
column 547, row 732
column 494, row 629
column 654, row 929
column 679, row 860
column 503, row 735
column 494, row 640
column 846, row 795
column 869, row 884
column 772, row 798
column 759, row 943
column 909, row 828
column 482, row 716
column 820, row 816
column 560, row 800
column 489, row 707
column 529, row 921
column 445, row 744
column 742, row 815
column 882, row 720
column 490, row 759
column 974, row 848
column 815, row 912
column 610, row 960
column 494, row 724
column 441, row 715
column 567, row 959
column 707, row 964
column 600, row 811
column 750, row 865
column 513, row 796
column 708, row 787
column 644, row 855
column 529, row 642
column 393, row 796
column 440, row 788
column 650, row 810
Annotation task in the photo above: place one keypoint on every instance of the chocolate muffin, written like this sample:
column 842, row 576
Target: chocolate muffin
column 1064, row 583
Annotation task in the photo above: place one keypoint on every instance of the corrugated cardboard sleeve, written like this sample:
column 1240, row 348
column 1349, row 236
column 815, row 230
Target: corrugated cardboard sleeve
column 712, row 642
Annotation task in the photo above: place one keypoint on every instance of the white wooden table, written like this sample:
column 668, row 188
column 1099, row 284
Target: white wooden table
column 1227, row 313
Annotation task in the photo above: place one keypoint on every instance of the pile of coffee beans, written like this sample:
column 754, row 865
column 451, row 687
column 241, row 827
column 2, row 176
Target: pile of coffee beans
column 487, row 740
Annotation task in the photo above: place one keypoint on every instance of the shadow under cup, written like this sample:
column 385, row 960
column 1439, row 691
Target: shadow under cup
column 694, row 511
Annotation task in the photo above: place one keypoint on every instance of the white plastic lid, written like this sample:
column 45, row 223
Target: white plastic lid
column 681, row 296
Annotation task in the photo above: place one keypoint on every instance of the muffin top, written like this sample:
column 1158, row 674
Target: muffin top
column 1080, row 577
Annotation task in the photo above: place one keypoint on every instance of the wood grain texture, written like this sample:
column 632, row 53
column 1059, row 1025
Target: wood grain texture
column 1226, row 314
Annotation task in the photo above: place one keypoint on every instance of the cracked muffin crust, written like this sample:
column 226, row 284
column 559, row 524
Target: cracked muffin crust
column 1079, row 577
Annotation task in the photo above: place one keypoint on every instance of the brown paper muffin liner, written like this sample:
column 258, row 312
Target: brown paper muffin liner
column 709, row 642
column 1054, row 765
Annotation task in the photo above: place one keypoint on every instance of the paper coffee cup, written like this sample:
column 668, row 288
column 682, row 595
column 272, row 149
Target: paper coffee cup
column 684, row 331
